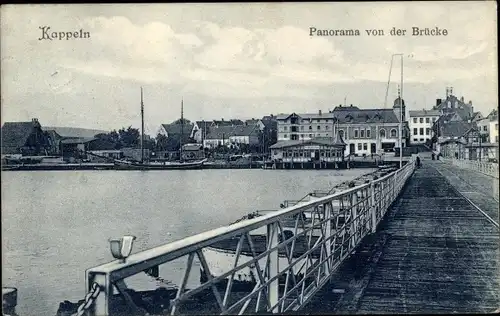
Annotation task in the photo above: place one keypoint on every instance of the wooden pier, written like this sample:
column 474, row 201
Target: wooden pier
column 434, row 253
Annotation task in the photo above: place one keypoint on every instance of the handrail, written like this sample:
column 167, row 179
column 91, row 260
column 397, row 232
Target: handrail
column 487, row 168
column 341, row 219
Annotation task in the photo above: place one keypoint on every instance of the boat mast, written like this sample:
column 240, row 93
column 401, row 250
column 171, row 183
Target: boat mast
column 142, row 128
column 182, row 128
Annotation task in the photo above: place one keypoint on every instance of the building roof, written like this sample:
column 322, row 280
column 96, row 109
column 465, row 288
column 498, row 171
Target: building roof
column 14, row 135
column 75, row 132
column 361, row 116
column 178, row 129
column 327, row 115
column 231, row 122
column 252, row 121
column 397, row 102
column 350, row 114
column 424, row 112
column 456, row 128
column 228, row 131
column 315, row 141
column 79, row 140
column 493, row 116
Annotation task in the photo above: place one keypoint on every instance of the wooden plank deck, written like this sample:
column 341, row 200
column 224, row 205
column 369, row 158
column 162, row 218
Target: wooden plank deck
column 434, row 253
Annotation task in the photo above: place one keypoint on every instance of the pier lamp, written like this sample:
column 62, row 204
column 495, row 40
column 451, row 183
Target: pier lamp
column 122, row 247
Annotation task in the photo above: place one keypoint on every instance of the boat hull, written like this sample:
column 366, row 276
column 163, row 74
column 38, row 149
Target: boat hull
column 169, row 166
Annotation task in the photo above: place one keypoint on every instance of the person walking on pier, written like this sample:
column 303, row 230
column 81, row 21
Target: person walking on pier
column 418, row 161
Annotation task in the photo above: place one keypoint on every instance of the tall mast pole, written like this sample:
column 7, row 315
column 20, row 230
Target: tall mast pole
column 182, row 128
column 401, row 119
column 142, row 128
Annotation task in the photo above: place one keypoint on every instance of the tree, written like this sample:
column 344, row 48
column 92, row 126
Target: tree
column 129, row 137
column 161, row 142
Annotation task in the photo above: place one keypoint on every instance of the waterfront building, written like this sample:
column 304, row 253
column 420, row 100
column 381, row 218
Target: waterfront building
column 192, row 152
column 365, row 131
column 452, row 104
column 201, row 130
column 177, row 133
column 420, row 124
column 25, row 138
column 317, row 150
column 232, row 136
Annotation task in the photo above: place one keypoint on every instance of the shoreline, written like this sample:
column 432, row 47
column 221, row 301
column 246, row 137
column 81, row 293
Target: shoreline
column 267, row 166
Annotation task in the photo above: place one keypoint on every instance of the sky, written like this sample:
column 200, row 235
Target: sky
column 238, row 60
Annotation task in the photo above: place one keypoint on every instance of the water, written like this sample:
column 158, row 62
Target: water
column 57, row 224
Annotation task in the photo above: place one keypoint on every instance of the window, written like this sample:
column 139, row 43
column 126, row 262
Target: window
column 415, row 139
column 427, row 120
column 427, row 131
column 285, row 136
column 368, row 133
column 421, row 139
column 301, row 135
column 433, row 120
column 394, row 133
column 319, row 127
column 341, row 133
column 359, row 146
column 310, row 135
column 496, row 139
column 382, row 132
column 421, row 131
column 302, row 128
column 327, row 127
column 485, row 128
column 415, row 131
column 414, row 120
column 356, row 133
column 285, row 128
column 310, row 127
column 421, row 120
column 362, row 133
column 365, row 146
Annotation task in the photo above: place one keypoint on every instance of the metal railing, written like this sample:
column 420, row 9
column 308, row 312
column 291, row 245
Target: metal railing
column 487, row 168
column 286, row 268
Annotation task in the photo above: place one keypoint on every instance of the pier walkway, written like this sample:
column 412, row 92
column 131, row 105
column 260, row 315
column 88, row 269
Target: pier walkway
column 417, row 240
column 434, row 252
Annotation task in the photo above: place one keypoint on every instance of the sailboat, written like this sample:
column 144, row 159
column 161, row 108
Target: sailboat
column 129, row 165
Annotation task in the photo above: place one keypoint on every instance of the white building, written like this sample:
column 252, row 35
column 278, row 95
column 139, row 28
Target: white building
column 232, row 136
column 420, row 123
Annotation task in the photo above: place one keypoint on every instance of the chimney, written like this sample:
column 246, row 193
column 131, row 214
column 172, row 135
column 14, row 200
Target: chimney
column 470, row 102
column 319, row 112
column 340, row 105
column 351, row 105
column 462, row 99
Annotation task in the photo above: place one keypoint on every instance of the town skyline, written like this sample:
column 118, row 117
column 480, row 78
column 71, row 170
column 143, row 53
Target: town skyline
column 237, row 61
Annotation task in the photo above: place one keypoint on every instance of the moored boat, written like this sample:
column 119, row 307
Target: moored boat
column 127, row 165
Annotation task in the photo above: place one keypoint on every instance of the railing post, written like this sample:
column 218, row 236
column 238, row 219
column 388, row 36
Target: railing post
column 101, row 306
column 354, row 220
column 273, row 267
column 373, row 207
column 327, row 209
